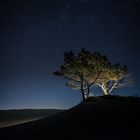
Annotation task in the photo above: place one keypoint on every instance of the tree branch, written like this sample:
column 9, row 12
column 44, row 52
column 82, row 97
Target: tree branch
column 113, row 87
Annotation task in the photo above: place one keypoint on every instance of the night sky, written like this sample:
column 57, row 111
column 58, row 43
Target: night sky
column 34, row 34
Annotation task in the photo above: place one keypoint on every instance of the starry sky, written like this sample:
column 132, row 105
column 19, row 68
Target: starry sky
column 34, row 34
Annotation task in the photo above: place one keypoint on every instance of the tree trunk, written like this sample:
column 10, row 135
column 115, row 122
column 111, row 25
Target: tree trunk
column 83, row 95
column 82, row 89
column 104, row 90
column 88, row 91
column 105, row 93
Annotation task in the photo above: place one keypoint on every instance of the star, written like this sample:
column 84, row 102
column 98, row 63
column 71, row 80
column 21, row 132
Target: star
column 25, row 4
column 91, row 17
column 68, row 6
column 101, row 8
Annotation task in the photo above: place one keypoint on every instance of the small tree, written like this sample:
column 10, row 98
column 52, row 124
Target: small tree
column 82, row 71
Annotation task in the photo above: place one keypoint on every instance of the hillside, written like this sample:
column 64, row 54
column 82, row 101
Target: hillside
column 100, row 118
column 19, row 116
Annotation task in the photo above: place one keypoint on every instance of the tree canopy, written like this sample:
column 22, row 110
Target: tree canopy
column 86, row 69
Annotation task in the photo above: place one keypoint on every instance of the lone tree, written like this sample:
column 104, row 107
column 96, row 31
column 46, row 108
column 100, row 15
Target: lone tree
column 82, row 71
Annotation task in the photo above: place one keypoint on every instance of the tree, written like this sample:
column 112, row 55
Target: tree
column 82, row 71
column 86, row 69
column 114, row 76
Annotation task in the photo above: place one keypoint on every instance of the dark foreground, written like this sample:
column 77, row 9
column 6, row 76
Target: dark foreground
column 19, row 116
column 101, row 118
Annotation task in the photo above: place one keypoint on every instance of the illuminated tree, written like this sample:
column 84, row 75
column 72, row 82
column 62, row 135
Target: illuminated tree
column 82, row 71
column 113, row 76
column 85, row 70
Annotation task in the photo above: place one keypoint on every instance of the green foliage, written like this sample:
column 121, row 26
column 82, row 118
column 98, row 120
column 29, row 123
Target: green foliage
column 86, row 69
column 112, row 77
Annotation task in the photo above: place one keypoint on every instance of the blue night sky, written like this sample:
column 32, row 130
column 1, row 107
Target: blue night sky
column 34, row 34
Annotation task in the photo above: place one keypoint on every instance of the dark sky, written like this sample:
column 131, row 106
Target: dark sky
column 34, row 34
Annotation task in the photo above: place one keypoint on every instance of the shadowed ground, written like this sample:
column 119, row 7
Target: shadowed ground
column 14, row 117
column 100, row 118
